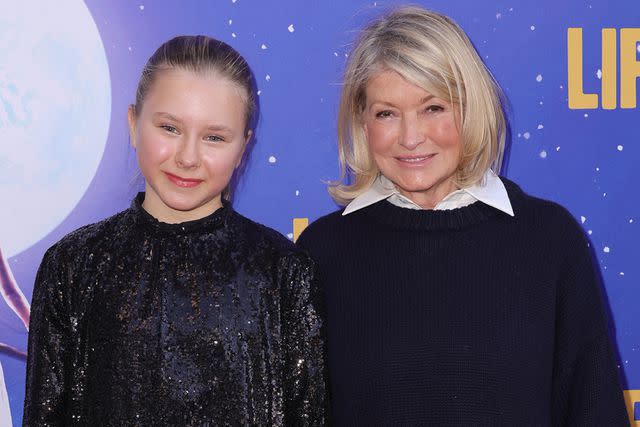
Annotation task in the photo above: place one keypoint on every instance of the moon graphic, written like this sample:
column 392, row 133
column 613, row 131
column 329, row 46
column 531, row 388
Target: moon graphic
column 55, row 107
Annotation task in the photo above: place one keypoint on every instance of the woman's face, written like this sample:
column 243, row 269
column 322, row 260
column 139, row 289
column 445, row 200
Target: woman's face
column 413, row 138
column 189, row 136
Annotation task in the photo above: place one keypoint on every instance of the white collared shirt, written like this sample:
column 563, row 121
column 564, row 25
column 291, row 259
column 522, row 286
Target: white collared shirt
column 490, row 191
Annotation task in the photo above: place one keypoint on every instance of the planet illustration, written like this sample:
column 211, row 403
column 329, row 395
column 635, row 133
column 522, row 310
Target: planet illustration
column 55, row 106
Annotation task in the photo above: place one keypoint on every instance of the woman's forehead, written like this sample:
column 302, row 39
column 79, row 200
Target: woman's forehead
column 422, row 81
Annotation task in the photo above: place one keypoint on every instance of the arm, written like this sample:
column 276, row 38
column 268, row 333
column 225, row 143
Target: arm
column 46, row 390
column 586, row 385
column 305, row 389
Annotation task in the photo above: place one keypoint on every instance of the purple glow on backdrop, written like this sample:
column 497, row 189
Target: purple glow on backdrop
column 570, row 156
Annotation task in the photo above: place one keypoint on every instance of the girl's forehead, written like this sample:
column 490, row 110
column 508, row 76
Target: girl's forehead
column 196, row 99
column 179, row 84
column 185, row 74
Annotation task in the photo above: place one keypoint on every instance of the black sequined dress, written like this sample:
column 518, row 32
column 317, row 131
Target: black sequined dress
column 208, row 322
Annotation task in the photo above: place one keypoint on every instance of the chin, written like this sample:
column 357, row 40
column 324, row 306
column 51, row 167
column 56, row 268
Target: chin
column 416, row 184
column 415, row 187
column 183, row 204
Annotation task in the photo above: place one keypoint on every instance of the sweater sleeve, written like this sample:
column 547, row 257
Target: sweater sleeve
column 46, row 389
column 586, row 388
column 305, row 390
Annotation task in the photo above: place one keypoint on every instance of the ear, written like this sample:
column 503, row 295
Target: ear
column 244, row 148
column 131, row 118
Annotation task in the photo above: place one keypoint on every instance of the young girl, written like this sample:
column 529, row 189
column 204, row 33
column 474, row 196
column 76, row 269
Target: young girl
column 178, row 311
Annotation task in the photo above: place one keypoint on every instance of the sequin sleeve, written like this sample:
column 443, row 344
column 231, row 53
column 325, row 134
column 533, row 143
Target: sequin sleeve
column 305, row 400
column 45, row 397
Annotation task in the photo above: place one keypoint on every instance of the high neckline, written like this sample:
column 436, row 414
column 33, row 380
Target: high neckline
column 211, row 221
column 489, row 190
column 400, row 218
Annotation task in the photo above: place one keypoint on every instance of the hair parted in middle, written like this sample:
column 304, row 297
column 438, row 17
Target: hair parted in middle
column 432, row 52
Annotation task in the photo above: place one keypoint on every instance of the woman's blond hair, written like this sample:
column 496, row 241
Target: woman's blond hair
column 431, row 51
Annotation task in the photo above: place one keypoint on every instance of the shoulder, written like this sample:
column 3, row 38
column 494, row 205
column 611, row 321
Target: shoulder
column 546, row 217
column 527, row 205
column 323, row 227
column 260, row 237
column 267, row 247
column 65, row 258
column 86, row 238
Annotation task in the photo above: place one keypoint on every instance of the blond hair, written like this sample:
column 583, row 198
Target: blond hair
column 431, row 51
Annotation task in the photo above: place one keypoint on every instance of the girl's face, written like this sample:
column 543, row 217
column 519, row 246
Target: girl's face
column 189, row 137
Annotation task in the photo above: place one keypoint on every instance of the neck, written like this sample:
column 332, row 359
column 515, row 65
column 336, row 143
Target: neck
column 429, row 199
column 158, row 209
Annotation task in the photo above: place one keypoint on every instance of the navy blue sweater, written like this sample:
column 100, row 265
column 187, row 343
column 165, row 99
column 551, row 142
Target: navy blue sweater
column 465, row 317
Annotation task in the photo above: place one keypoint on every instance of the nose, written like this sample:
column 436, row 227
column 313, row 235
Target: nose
column 412, row 133
column 188, row 154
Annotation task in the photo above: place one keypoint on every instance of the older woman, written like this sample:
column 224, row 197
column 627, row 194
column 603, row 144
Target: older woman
column 453, row 297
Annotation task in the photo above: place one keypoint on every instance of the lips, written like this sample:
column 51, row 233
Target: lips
column 182, row 182
column 416, row 160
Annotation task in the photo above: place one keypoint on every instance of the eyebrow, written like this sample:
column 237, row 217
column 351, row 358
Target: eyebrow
column 167, row 116
column 422, row 101
column 219, row 128
column 216, row 128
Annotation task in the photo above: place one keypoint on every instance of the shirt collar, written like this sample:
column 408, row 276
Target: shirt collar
column 490, row 191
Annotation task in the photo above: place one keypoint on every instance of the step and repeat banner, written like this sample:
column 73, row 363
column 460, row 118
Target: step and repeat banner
column 569, row 69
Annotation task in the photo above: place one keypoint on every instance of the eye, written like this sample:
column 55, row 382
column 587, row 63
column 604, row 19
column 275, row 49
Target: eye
column 384, row 114
column 169, row 128
column 434, row 108
column 213, row 138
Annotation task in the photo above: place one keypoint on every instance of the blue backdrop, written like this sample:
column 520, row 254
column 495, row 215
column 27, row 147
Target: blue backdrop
column 66, row 160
